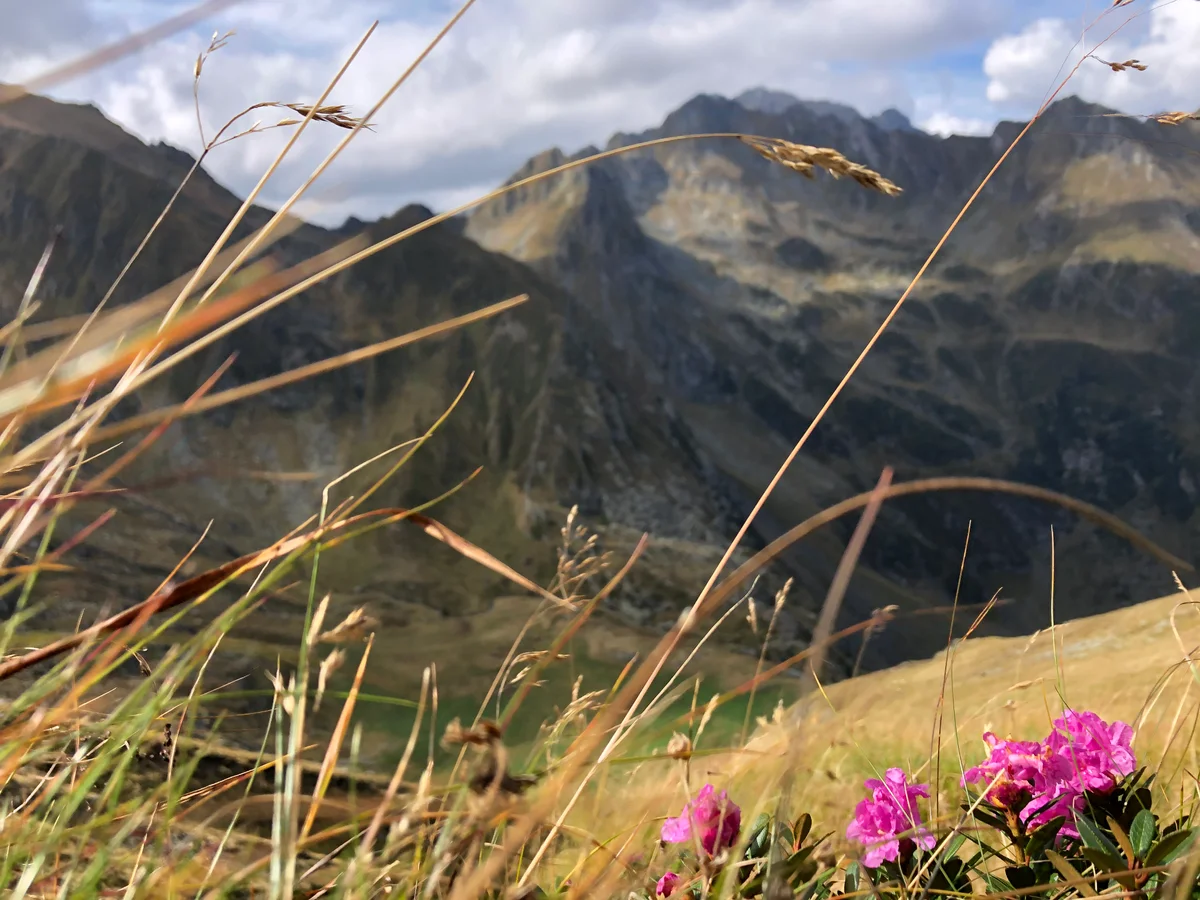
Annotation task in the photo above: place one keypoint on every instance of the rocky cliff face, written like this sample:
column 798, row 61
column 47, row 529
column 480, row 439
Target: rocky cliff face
column 691, row 308
column 1051, row 343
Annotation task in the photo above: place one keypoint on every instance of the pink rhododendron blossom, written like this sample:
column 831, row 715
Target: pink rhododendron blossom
column 891, row 811
column 1012, row 766
column 1083, row 753
column 1095, row 753
column 714, row 818
column 666, row 885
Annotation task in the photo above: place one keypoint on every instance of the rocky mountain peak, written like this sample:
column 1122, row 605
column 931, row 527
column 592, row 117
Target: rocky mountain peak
column 691, row 308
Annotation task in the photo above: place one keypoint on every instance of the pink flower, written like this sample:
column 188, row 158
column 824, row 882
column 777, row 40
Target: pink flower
column 715, row 818
column 1083, row 753
column 890, row 812
column 1096, row 754
column 666, row 885
column 1012, row 765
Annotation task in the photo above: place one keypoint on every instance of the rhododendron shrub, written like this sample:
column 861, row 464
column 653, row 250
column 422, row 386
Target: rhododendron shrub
column 708, row 832
column 1079, row 793
column 1071, row 807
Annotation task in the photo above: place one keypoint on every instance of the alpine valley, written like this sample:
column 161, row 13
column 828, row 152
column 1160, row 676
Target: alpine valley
column 691, row 308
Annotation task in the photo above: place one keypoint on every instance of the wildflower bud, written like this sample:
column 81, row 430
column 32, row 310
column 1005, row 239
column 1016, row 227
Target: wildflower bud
column 679, row 747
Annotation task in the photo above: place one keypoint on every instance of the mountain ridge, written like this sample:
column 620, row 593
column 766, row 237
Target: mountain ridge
column 804, row 270
column 692, row 307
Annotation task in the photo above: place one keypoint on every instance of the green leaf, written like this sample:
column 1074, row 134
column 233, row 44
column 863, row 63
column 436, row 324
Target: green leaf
column 1070, row 873
column 760, row 837
column 818, row 887
column 954, row 845
column 851, row 879
column 1105, row 863
column 1094, row 838
column 787, row 869
column 1169, row 848
column 950, row 875
column 988, row 817
column 1020, row 876
column 783, row 833
column 1122, row 840
column 1043, row 836
column 996, row 885
column 1140, row 799
column 1142, row 832
column 802, row 827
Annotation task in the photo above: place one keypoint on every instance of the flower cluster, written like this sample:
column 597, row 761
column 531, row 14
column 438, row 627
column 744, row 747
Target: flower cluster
column 888, row 823
column 1079, row 791
column 1041, row 780
column 711, row 820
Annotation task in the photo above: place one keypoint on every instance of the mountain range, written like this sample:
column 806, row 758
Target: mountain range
column 692, row 306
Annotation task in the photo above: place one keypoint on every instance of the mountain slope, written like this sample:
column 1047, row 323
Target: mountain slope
column 547, row 414
column 691, row 308
column 1052, row 343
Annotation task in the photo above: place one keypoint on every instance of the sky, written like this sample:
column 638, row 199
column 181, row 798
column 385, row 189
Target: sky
column 516, row 77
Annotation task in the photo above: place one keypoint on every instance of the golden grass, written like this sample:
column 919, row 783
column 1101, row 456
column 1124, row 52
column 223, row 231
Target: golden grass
column 1137, row 664
column 486, row 833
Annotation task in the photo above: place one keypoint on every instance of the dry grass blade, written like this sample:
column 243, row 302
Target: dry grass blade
column 334, row 746
column 232, row 395
column 57, row 376
column 841, row 577
column 285, row 209
column 927, row 485
column 477, row 554
column 804, row 159
column 516, row 836
column 201, row 584
column 153, row 304
column 878, row 619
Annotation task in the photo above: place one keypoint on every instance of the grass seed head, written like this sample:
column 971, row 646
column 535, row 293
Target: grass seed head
column 354, row 627
column 1122, row 66
column 804, row 159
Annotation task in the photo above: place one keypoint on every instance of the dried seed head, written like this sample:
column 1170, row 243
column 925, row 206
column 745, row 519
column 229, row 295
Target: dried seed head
column 680, row 746
column 1175, row 118
column 284, row 697
column 1122, row 66
column 782, row 595
column 143, row 664
column 804, row 159
column 329, row 665
column 354, row 627
column 333, row 115
column 485, row 733
column 708, row 712
column 318, row 620
column 881, row 617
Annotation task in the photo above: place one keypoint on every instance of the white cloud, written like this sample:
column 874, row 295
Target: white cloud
column 515, row 77
column 45, row 25
column 946, row 124
column 1019, row 67
column 1024, row 68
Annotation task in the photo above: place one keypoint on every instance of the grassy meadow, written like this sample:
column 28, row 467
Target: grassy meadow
column 537, row 747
